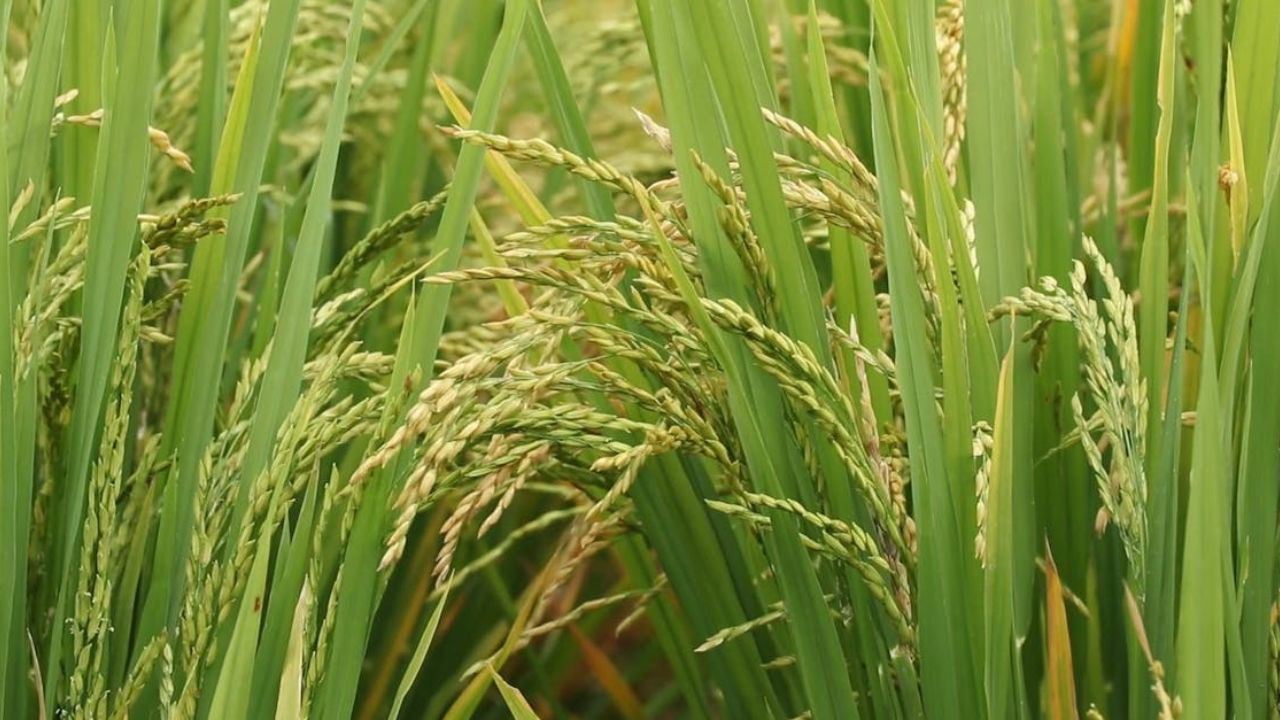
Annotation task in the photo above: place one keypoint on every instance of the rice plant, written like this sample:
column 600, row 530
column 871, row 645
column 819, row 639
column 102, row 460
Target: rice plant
column 679, row 358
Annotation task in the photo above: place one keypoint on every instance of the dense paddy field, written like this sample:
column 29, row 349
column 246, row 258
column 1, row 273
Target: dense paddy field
column 587, row 359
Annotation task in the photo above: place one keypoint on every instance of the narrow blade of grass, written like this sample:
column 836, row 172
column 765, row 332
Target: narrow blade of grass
column 28, row 140
column 205, row 321
column 282, row 379
column 1153, row 321
column 1001, row 649
column 1153, row 272
column 1003, row 223
column 283, row 376
column 82, row 63
column 289, row 701
column 519, row 707
column 434, row 300
column 14, row 515
column 356, row 602
column 211, row 110
column 419, row 654
column 568, row 120
column 403, row 164
column 945, row 657
column 772, row 459
column 850, row 267
column 121, row 172
column 289, row 597
column 1257, row 59
column 1060, row 681
column 1257, row 496
column 1201, row 641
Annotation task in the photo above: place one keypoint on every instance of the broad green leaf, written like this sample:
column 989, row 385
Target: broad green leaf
column 1139, row 58
column 1203, row 30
